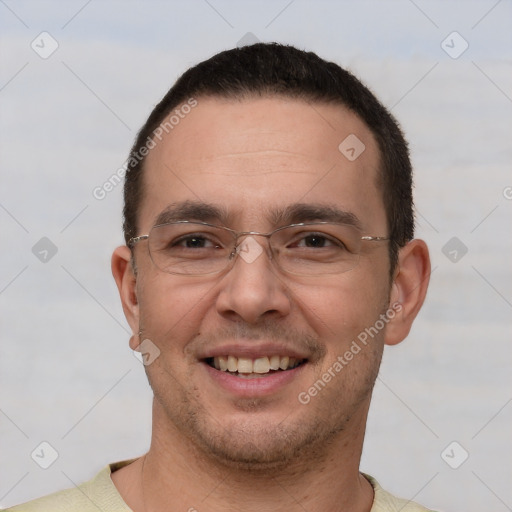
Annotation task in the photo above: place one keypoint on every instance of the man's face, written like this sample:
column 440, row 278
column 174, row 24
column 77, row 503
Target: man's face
column 255, row 161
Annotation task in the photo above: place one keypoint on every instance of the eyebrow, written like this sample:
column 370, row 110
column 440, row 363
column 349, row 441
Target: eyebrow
column 191, row 210
column 307, row 212
column 291, row 214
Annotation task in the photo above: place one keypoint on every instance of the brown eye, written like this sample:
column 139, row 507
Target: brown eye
column 193, row 242
column 315, row 241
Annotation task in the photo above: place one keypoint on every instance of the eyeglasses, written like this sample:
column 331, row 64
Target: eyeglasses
column 307, row 249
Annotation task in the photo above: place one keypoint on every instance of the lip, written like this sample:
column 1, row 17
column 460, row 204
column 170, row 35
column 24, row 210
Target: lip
column 252, row 350
column 254, row 387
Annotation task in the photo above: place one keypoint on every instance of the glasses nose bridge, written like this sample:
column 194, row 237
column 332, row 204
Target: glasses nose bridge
column 244, row 235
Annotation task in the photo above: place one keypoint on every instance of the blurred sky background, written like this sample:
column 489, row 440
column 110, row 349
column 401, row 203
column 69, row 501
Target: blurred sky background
column 67, row 375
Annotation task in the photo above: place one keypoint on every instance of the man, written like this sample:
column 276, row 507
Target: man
column 269, row 258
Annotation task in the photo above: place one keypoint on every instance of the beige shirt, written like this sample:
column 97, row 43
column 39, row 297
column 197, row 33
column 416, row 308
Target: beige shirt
column 100, row 494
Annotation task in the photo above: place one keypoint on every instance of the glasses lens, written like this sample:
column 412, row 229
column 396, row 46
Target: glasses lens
column 317, row 249
column 198, row 249
column 189, row 248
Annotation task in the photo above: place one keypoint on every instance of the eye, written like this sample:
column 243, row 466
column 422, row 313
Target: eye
column 194, row 241
column 316, row 241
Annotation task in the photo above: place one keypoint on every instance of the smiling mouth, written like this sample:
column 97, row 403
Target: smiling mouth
column 246, row 367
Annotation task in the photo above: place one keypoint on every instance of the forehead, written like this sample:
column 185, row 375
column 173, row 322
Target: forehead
column 253, row 157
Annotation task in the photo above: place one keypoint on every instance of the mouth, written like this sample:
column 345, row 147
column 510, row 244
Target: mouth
column 250, row 368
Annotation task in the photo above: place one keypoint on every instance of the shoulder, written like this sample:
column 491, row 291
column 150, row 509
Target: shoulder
column 96, row 494
column 386, row 502
column 68, row 500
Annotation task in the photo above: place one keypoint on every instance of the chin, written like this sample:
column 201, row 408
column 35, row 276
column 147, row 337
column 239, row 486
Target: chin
column 260, row 446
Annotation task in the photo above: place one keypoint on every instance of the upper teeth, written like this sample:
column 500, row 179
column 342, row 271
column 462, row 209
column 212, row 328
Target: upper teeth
column 259, row 365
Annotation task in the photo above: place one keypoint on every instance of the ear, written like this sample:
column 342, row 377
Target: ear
column 409, row 289
column 126, row 281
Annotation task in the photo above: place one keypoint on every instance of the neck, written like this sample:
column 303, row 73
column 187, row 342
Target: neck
column 175, row 471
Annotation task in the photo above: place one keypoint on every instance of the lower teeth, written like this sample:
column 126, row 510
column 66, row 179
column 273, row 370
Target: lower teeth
column 238, row 374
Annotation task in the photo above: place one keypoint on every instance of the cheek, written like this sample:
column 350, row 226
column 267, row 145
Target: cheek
column 338, row 311
column 170, row 309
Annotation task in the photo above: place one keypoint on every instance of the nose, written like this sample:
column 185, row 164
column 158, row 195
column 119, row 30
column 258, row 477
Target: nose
column 253, row 289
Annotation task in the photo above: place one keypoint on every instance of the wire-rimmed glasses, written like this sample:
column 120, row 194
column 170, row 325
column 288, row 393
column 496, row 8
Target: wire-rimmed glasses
column 308, row 249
